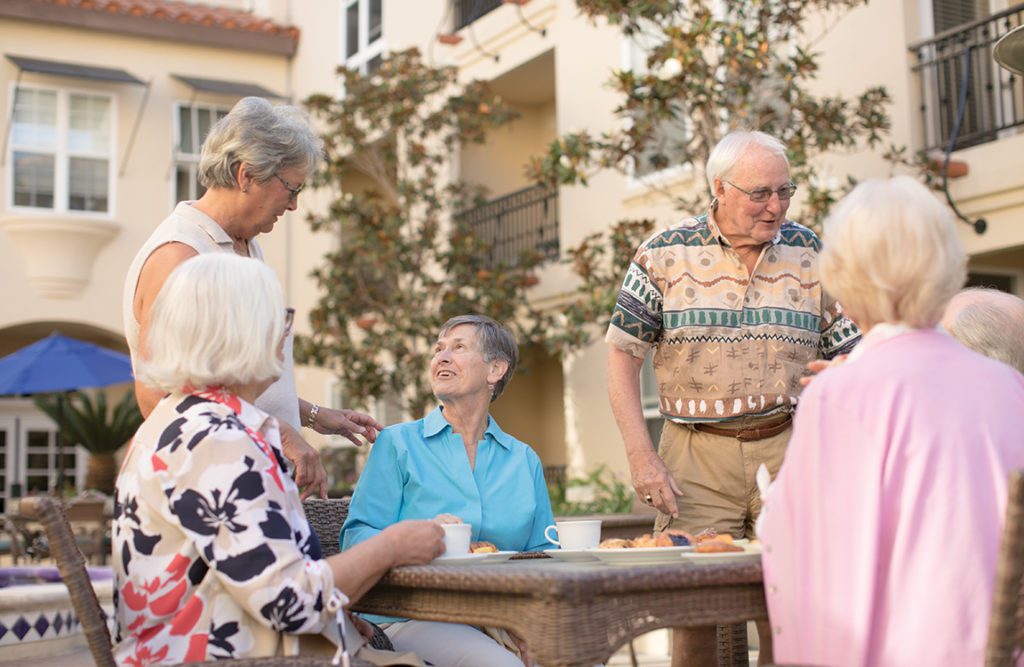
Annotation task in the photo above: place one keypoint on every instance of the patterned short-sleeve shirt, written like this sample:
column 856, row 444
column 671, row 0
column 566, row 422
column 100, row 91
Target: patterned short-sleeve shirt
column 213, row 557
column 727, row 344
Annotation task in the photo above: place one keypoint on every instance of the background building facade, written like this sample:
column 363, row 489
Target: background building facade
column 106, row 105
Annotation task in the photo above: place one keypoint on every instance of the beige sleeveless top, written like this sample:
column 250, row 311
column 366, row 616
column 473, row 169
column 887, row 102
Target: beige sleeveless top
column 200, row 232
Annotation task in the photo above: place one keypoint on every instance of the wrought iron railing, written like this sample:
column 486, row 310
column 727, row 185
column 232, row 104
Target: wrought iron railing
column 467, row 11
column 525, row 220
column 995, row 99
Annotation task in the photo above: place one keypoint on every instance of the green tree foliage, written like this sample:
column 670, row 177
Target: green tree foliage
column 711, row 67
column 405, row 263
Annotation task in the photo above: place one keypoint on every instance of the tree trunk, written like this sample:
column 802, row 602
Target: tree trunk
column 102, row 473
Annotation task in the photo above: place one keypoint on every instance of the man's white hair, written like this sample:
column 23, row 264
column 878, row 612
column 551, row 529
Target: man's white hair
column 990, row 322
column 734, row 146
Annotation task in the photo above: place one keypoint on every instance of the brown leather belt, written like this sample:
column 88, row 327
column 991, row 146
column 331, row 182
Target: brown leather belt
column 747, row 434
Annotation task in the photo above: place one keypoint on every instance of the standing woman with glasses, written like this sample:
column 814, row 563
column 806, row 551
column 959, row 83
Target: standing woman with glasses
column 253, row 164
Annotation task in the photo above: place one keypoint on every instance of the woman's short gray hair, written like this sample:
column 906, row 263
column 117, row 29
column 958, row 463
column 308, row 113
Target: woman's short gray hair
column 496, row 342
column 217, row 321
column 733, row 146
column 268, row 138
column 892, row 254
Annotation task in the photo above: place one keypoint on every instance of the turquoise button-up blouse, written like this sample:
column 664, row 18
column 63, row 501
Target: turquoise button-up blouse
column 417, row 470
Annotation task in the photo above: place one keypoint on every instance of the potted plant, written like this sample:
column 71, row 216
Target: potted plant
column 85, row 422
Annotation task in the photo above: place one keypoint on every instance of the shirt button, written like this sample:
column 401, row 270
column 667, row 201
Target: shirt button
column 773, row 589
column 767, row 549
column 778, row 629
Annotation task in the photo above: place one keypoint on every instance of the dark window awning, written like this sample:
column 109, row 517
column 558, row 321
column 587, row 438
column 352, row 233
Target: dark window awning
column 74, row 70
column 233, row 88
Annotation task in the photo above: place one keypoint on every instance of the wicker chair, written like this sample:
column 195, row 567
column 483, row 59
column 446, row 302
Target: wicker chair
column 71, row 565
column 1006, row 627
column 326, row 517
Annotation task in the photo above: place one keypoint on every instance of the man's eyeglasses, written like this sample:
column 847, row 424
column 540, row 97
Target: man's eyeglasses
column 289, row 319
column 761, row 195
column 293, row 189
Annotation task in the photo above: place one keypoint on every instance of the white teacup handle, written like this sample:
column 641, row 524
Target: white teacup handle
column 549, row 538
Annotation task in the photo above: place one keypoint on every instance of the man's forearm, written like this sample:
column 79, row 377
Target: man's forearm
column 624, row 397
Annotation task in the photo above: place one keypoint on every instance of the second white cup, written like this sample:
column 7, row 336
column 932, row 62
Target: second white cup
column 456, row 538
column 585, row 534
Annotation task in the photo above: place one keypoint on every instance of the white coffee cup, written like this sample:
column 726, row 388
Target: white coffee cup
column 584, row 534
column 456, row 538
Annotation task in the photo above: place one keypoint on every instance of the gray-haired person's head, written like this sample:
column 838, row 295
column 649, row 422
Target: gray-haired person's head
column 733, row 147
column 989, row 322
column 266, row 137
column 496, row 343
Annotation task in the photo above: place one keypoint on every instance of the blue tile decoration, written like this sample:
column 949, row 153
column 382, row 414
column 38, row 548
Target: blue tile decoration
column 21, row 627
column 42, row 625
column 3, row 630
column 58, row 623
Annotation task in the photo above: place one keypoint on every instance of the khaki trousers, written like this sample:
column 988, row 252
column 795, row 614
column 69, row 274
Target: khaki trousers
column 716, row 475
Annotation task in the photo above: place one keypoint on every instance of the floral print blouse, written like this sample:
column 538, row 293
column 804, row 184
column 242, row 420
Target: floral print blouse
column 213, row 557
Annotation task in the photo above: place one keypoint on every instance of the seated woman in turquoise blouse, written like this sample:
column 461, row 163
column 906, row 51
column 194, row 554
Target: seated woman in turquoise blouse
column 456, row 462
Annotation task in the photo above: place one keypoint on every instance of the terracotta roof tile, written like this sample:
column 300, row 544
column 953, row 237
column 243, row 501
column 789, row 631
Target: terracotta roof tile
column 184, row 13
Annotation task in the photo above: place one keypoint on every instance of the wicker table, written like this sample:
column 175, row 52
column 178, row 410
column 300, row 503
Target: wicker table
column 573, row 613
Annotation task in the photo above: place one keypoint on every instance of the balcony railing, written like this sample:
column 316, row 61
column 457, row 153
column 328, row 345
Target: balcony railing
column 995, row 99
column 525, row 220
column 467, row 11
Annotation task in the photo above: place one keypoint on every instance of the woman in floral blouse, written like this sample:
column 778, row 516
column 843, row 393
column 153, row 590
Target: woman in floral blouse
column 213, row 557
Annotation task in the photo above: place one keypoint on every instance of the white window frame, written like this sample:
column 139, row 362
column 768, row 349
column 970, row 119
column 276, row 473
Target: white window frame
column 1015, row 274
column 366, row 50
column 660, row 177
column 191, row 160
column 62, row 156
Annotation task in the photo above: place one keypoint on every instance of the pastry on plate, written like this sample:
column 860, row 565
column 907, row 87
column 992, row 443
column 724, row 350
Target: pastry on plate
column 482, row 547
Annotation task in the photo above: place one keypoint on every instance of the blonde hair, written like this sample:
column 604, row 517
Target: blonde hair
column 892, row 254
column 218, row 320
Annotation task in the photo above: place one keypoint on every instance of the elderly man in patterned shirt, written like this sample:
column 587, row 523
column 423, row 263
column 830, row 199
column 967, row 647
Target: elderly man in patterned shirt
column 731, row 304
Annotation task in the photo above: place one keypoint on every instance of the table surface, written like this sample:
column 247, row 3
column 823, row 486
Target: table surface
column 573, row 613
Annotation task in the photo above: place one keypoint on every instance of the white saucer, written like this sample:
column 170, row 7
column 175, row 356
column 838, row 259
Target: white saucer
column 751, row 553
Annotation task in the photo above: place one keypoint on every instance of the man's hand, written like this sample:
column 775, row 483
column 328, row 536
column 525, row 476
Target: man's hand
column 348, row 423
column 310, row 475
column 652, row 479
column 818, row 365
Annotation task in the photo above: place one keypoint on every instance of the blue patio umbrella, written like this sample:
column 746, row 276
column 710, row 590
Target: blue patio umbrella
column 61, row 364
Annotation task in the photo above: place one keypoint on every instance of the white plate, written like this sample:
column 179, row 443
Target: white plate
column 463, row 559
column 474, row 559
column 497, row 556
column 640, row 555
column 750, row 553
column 571, row 555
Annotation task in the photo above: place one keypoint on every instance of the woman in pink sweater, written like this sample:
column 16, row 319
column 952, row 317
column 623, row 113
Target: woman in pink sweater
column 882, row 530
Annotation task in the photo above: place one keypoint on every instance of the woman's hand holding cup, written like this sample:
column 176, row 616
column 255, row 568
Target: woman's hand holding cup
column 415, row 542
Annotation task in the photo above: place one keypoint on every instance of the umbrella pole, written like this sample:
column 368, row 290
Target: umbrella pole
column 60, row 444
